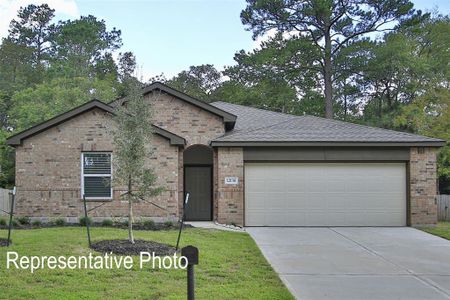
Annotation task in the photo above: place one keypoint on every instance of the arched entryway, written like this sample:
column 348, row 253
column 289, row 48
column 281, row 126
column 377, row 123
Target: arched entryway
column 198, row 174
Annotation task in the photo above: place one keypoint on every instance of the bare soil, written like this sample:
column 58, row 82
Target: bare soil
column 3, row 242
column 124, row 247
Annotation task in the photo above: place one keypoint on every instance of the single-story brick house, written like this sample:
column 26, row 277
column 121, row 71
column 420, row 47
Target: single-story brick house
column 241, row 165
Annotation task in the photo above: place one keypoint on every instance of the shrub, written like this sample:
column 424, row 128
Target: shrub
column 168, row 223
column 24, row 220
column 3, row 222
column 36, row 223
column 107, row 223
column 60, row 222
column 14, row 222
column 84, row 221
column 149, row 224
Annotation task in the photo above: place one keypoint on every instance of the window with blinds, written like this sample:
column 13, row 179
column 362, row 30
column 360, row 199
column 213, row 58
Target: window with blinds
column 96, row 175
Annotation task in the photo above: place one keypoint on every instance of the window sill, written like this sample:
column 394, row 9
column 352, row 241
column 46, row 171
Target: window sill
column 98, row 199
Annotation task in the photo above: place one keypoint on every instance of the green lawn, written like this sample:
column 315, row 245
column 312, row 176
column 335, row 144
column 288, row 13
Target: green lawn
column 442, row 229
column 231, row 267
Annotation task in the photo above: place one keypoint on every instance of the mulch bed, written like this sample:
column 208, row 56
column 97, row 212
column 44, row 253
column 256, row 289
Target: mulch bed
column 3, row 242
column 155, row 227
column 124, row 247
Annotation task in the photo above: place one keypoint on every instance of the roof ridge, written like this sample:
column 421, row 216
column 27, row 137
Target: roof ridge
column 257, row 108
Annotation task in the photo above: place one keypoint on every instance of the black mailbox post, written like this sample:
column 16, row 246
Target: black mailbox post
column 191, row 253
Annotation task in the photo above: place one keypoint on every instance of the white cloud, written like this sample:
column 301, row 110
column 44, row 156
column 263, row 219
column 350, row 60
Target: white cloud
column 270, row 34
column 264, row 38
column 9, row 8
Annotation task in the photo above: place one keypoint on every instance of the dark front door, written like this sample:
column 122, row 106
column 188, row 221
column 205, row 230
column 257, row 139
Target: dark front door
column 197, row 182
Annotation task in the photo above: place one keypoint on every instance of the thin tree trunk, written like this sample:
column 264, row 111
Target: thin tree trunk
column 345, row 107
column 328, row 77
column 130, row 214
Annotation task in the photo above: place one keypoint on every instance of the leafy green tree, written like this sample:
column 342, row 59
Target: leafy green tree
column 6, row 161
column 329, row 24
column 271, row 76
column 33, row 30
column 46, row 100
column 127, row 64
column 272, row 95
column 126, row 69
column 16, row 70
column 106, row 68
column 429, row 114
column 133, row 145
column 407, row 64
column 81, row 44
column 198, row 81
column 47, row 69
column 278, row 58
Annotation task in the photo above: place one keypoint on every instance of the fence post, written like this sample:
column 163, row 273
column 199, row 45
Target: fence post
column 182, row 220
column 86, row 219
column 443, row 204
column 11, row 213
column 191, row 254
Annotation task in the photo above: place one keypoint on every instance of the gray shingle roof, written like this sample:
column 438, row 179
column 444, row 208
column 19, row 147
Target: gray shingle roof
column 256, row 125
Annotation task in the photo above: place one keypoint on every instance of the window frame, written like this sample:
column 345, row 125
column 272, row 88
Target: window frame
column 95, row 175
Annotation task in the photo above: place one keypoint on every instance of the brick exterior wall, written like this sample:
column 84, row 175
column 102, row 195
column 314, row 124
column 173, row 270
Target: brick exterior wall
column 193, row 123
column 423, row 187
column 48, row 171
column 48, row 165
column 48, row 168
column 230, row 198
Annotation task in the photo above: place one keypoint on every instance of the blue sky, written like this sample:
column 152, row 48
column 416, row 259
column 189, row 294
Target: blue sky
column 168, row 36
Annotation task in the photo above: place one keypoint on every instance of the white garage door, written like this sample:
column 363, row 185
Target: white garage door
column 325, row 194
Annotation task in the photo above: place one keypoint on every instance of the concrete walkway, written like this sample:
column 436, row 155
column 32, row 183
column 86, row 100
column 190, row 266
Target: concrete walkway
column 213, row 225
column 358, row 263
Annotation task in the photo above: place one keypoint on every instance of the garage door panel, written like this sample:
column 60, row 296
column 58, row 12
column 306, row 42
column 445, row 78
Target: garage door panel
column 315, row 185
column 325, row 194
column 316, row 200
column 274, row 186
column 336, row 186
column 296, row 201
column 273, row 201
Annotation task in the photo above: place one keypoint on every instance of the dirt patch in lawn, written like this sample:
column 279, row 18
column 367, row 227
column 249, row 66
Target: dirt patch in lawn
column 3, row 242
column 124, row 247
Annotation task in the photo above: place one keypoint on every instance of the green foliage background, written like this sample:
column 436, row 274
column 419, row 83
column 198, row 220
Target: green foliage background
column 398, row 79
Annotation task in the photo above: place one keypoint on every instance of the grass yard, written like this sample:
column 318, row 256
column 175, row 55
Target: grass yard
column 442, row 229
column 231, row 267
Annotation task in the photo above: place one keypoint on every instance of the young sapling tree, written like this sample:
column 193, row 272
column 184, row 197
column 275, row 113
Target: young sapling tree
column 132, row 146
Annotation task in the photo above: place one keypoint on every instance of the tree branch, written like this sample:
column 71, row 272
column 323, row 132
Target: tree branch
column 372, row 28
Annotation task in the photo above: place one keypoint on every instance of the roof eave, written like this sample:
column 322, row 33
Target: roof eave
column 16, row 139
column 326, row 144
column 174, row 139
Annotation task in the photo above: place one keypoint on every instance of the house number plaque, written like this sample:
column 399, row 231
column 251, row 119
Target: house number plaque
column 231, row 180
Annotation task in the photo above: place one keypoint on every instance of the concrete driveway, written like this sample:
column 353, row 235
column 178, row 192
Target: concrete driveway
column 358, row 263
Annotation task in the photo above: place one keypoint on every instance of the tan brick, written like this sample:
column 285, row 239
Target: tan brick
column 230, row 198
column 423, row 186
column 48, row 164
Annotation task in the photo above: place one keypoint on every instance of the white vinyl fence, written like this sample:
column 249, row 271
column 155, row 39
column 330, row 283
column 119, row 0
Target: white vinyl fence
column 443, row 206
column 5, row 201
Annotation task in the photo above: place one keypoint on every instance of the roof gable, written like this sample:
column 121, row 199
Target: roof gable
column 17, row 139
column 228, row 117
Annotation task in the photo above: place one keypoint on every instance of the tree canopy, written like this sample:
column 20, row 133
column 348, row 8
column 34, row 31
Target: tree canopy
column 379, row 63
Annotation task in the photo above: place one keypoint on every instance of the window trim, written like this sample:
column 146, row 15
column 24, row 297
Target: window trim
column 95, row 175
